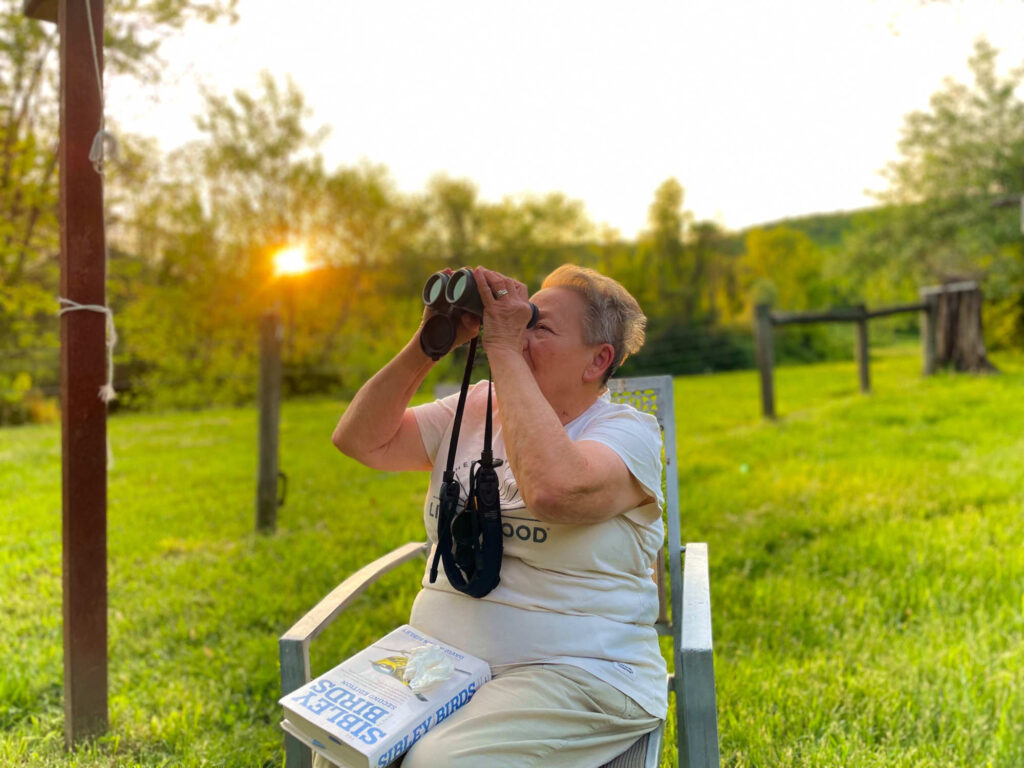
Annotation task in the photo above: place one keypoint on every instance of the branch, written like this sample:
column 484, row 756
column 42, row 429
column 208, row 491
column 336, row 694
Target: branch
column 18, row 115
column 34, row 214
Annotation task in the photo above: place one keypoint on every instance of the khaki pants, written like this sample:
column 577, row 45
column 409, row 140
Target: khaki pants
column 551, row 715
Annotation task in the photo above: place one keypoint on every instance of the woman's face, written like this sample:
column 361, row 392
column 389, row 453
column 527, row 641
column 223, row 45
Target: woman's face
column 554, row 348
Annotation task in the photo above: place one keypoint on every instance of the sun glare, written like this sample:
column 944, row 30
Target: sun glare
column 291, row 260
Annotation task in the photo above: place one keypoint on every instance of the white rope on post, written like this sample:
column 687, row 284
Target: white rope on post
column 107, row 392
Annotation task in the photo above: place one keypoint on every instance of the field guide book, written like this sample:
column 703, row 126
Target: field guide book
column 371, row 708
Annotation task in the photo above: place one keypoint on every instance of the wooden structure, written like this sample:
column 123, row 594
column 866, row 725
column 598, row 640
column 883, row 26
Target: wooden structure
column 83, row 370
column 956, row 328
column 950, row 325
column 685, row 616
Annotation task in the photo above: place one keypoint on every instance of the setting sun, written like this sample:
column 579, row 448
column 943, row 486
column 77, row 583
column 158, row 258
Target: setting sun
column 291, row 260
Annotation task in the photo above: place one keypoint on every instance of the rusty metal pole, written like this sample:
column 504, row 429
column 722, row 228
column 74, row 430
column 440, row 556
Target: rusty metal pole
column 83, row 372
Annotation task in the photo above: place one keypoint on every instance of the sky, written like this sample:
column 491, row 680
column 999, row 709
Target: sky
column 761, row 110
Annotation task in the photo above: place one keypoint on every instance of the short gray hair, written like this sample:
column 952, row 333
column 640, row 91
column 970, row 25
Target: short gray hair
column 612, row 315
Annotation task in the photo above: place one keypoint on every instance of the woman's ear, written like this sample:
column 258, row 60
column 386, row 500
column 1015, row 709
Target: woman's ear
column 603, row 357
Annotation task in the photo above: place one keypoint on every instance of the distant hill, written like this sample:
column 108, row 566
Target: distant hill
column 825, row 229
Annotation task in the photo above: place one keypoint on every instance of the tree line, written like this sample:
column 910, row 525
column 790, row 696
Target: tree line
column 191, row 235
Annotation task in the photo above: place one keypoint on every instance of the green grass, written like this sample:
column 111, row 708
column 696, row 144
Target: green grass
column 866, row 558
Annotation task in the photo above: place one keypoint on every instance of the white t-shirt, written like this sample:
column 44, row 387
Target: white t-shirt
column 569, row 594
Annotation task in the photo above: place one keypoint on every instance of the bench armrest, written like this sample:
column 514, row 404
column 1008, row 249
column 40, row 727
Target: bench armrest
column 694, row 679
column 294, row 644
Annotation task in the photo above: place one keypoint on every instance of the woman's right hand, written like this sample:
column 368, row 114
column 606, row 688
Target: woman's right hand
column 467, row 324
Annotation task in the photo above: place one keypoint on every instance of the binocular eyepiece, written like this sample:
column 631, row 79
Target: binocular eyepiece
column 449, row 296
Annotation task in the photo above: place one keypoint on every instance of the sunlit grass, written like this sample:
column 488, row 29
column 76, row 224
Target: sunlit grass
column 867, row 573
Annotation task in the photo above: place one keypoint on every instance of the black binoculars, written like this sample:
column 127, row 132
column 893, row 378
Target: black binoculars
column 449, row 296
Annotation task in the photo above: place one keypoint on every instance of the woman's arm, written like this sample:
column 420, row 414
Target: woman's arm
column 378, row 429
column 560, row 480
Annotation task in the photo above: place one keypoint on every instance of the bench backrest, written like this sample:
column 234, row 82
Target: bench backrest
column 654, row 395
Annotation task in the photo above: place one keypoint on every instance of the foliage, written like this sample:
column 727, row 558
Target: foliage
column 687, row 273
column 704, row 348
column 29, row 232
column 866, row 572
column 825, row 229
column 193, row 232
column 133, row 33
column 659, row 254
column 26, row 312
column 961, row 161
column 206, row 230
column 688, row 281
column 782, row 266
column 970, row 144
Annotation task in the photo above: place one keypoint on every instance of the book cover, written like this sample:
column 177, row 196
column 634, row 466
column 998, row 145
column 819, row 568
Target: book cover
column 362, row 714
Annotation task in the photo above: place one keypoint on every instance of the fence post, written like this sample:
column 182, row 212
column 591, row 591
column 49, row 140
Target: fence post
column 764, row 344
column 270, row 411
column 928, row 333
column 863, row 351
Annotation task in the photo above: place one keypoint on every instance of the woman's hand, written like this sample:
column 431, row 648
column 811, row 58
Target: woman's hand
column 467, row 325
column 506, row 310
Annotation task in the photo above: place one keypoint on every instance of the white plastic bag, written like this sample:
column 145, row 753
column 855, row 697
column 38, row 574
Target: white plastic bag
column 427, row 666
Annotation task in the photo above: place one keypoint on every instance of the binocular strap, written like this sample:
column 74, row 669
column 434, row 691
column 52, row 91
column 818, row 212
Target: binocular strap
column 469, row 540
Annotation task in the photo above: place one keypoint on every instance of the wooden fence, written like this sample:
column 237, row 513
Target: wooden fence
column 938, row 305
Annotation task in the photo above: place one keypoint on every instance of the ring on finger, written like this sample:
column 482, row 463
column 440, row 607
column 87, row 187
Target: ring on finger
column 500, row 292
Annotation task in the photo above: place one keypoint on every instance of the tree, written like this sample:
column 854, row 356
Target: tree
column 206, row 227
column 782, row 266
column 958, row 161
column 260, row 163
column 530, row 236
column 29, row 229
column 453, row 221
column 970, row 145
column 716, row 291
column 665, row 273
column 525, row 237
column 133, row 33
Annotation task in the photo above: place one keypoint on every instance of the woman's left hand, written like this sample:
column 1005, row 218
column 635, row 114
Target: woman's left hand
column 506, row 310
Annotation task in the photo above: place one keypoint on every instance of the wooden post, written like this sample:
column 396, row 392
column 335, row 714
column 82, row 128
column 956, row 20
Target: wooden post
column 928, row 334
column 83, row 372
column 863, row 352
column 270, row 411
column 764, row 344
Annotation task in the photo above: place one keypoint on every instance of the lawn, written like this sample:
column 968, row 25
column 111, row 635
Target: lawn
column 866, row 559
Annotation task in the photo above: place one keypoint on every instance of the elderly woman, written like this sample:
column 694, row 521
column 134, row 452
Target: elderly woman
column 568, row 630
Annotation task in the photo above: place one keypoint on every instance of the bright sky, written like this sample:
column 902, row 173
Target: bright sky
column 760, row 109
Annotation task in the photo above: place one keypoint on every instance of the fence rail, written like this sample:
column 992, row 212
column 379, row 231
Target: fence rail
column 765, row 319
column 844, row 315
